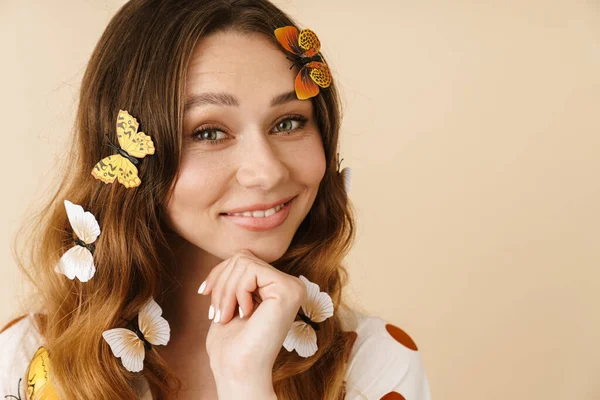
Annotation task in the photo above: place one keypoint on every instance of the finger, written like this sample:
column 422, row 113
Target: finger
column 217, row 288
column 220, row 285
column 228, row 300
column 210, row 283
column 214, row 273
column 210, row 280
column 247, row 296
column 255, row 285
column 246, row 292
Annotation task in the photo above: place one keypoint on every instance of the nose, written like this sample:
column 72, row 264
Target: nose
column 261, row 163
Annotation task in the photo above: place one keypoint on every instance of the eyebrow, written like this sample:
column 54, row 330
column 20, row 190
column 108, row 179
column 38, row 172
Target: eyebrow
column 228, row 100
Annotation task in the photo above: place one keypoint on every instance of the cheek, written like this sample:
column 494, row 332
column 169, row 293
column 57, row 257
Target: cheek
column 195, row 190
column 309, row 162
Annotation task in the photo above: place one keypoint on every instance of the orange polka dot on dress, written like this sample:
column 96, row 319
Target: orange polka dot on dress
column 384, row 362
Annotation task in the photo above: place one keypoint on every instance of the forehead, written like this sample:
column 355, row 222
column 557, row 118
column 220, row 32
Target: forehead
column 246, row 65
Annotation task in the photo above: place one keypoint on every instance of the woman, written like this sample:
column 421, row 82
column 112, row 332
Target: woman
column 227, row 129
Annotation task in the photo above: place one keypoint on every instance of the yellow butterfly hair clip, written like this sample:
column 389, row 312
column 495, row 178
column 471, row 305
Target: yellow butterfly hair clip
column 39, row 386
column 134, row 145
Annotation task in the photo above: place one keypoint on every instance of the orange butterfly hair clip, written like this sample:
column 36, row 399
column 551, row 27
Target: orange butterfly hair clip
column 305, row 46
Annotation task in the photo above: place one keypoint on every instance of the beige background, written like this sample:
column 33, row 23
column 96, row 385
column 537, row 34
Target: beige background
column 473, row 131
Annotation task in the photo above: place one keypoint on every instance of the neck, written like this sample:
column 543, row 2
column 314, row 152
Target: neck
column 184, row 308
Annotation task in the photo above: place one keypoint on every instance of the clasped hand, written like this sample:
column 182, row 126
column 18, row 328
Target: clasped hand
column 242, row 351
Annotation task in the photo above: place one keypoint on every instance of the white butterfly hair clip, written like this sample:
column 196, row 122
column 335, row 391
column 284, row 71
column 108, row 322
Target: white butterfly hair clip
column 317, row 308
column 130, row 344
column 78, row 261
column 346, row 175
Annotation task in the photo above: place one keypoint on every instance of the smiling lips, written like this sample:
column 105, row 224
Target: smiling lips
column 260, row 220
column 259, row 213
column 259, row 207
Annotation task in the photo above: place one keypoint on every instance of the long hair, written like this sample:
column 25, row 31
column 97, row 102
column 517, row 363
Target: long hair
column 139, row 65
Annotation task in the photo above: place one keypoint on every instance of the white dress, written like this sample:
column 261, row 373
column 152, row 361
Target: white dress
column 384, row 362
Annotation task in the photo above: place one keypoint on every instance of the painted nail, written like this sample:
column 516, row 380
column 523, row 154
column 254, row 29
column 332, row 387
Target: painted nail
column 218, row 317
column 241, row 312
column 202, row 287
column 211, row 312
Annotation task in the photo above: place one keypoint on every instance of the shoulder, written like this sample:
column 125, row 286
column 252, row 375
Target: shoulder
column 384, row 362
column 19, row 340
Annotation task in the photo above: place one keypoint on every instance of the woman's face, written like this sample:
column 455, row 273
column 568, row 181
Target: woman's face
column 247, row 140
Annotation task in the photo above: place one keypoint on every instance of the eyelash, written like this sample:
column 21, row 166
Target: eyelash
column 196, row 135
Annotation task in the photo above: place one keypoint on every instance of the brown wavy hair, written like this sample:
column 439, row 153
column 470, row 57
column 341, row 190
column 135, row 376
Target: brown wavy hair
column 139, row 65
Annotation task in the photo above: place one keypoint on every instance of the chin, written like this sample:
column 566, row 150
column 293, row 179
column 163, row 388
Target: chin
column 268, row 251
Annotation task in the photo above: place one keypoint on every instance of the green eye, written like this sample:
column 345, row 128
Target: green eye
column 209, row 135
column 285, row 125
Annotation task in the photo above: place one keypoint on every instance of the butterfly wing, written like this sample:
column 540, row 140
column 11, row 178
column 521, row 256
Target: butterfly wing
column 318, row 305
column 77, row 262
column 38, row 377
column 304, row 85
column 302, row 338
column 127, row 174
column 309, row 43
column 154, row 327
column 136, row 144
column 287, row 36
column 319, row 73
column 117, row 166
column 106, row 169
column 84, row 224
column 125, row 344
column 347, row 177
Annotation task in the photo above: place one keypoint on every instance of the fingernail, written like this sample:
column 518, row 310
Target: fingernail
column 202, row 287
column 241, row 312
column 211, row 312
column 218, row 317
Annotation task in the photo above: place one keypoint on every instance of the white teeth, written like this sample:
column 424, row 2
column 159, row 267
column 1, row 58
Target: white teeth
column 259, row 213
